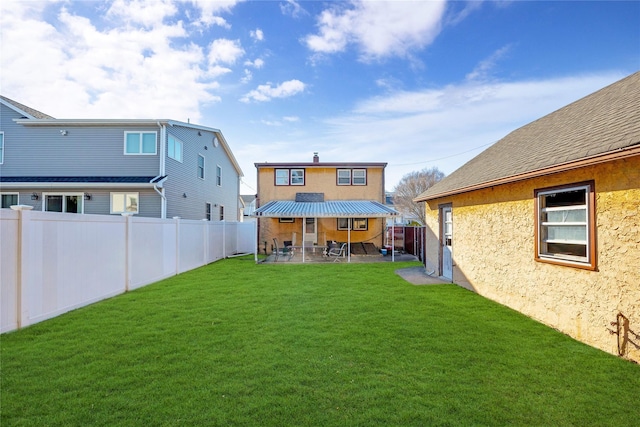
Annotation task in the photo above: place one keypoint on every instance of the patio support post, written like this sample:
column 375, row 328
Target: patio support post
column 393, row 242
column 304, row 232
column 349, row 240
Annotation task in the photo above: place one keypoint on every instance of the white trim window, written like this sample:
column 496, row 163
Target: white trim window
column 565, row 225
column 218, row 175
column 352, row 176
column 344, row 177
column 207, row 211
column 63, row 202
column 9, row 199
column 124, row 203
column 174, row 148
column 200, row 170
column 359, row 177
column 297, row 176
column 140, row 143
column 282, row 176
column 221, row 213
column 1, row 148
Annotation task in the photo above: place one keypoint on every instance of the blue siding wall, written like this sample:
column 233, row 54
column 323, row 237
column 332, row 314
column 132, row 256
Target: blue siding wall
column 182, row 178
column 84, row 151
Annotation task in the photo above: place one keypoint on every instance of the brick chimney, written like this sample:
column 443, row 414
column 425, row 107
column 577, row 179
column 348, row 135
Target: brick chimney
column 316, row 159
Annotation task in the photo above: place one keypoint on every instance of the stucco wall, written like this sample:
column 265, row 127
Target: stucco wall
column 493, row 253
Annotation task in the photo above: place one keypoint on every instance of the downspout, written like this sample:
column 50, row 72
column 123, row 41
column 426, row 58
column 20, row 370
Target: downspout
column 162, row 167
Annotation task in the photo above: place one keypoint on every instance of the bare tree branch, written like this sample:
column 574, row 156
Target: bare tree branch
column 411, row 186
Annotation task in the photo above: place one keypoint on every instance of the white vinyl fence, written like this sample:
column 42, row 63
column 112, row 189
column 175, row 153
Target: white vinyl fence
column 51, row 263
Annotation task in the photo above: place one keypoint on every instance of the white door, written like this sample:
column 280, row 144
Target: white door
column 447, row 241
column 311, row 231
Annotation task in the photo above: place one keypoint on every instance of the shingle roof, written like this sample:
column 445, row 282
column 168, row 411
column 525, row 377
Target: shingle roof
column 78, row 179
column 28, row 110
column 603, row 122
column 329, row 209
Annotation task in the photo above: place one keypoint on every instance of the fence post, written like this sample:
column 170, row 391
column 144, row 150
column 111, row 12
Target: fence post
column 205, row 233
column 128, row 248
column 224, row 239
column 177, row 221
column 22, row 270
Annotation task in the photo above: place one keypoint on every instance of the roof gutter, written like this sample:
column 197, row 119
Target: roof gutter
column 622, row 153
column 52, row 185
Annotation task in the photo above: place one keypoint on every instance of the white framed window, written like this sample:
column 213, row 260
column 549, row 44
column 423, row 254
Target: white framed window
column 344, row 176
column 63, row 202
column 9, row 199
column 218, row 176
column 207, row 211
column 200, row 170
column 297, row 176
column 124, row 203
column 282, row 176
column 174, row 148
column 221, row 213
column 286, row 220
column 359, row 177
column 140, row 143
column 352, row 177
column 565, row 225
column 1, row 148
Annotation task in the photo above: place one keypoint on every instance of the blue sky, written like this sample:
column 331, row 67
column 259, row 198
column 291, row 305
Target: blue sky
column 412, row 83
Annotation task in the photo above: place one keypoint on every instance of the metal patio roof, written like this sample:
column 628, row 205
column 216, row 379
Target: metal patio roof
column 329, row 209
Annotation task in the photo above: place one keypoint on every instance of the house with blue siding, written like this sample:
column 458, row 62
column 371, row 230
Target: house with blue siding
column 147, row 167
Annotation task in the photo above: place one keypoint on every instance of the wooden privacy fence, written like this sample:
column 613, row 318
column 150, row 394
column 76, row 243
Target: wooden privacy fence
column 51, row 263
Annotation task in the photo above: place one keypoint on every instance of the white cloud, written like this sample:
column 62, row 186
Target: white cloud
column 484, row 68
column 139, row 67
column 291, row 118
column 378, row 28
column 149, row 13
column 443, row 126
column 267, row 92
column 258, row 63
column 210, row 9
column 248, row 76
column 257, row 35
column 292, row 8
column 225, row 51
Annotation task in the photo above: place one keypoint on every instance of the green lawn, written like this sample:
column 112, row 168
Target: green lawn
column 235, row 343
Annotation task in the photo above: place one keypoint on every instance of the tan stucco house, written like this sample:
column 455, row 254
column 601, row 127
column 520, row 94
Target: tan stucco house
column 312, row 203
column 547, row 220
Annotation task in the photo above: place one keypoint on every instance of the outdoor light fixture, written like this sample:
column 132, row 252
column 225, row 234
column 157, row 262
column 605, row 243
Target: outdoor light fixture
column 34, row 196
column 87, row 196
column 184, row 195
column 63, row 132
column 199, row 133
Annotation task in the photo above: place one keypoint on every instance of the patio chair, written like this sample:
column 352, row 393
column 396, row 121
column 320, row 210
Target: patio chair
column 279, row 251
column 336, row 252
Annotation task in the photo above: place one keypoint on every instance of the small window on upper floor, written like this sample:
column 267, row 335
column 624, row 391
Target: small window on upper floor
column 174, row 148
column 289, row 177
column 352, row 177
column 297, row 176
column 282, row 176
column 141, row 143
column 200, row 166
column 218, row 175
